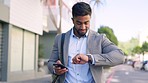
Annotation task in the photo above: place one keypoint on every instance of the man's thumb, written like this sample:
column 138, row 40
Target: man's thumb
column 58, row 62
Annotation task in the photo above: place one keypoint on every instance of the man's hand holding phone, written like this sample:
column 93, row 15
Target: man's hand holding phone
column 59, row 65
column 59, row 68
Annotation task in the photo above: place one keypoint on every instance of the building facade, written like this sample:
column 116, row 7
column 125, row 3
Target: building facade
column 20, row 27
column 51, row 16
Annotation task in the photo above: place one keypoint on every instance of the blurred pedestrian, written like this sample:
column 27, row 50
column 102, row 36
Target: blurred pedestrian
column 133, row 64
column 143, row 64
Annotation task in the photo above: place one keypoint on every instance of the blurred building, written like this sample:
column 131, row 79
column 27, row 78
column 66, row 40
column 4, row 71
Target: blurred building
column 51, row 22
column 20, row 27
column 51, row 16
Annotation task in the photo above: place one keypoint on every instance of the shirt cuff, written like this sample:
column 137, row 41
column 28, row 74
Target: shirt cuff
column 93, row 60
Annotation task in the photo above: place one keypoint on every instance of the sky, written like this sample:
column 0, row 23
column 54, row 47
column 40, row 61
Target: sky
column 127, row 18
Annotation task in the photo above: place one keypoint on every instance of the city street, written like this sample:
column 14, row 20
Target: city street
column 118, row 74
column 126, row 74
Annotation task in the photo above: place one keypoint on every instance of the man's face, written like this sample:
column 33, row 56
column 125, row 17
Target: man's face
column 81, row 25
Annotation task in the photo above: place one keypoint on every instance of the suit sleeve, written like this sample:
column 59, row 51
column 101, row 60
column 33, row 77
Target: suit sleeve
column 54, row 54
column 111, row 55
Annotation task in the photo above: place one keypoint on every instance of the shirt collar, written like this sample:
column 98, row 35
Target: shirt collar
column 73, row 35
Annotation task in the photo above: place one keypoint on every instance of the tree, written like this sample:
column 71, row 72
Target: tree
column 145, row 47
column 137, row 50
column 128, row 46
column 109, row 33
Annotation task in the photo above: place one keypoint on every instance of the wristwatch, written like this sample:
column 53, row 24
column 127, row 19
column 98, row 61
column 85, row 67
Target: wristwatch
column 89, row 58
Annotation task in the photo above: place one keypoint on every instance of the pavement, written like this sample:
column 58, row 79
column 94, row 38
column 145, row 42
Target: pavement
column 47, row 78
column 42, row 79
column 39, row 77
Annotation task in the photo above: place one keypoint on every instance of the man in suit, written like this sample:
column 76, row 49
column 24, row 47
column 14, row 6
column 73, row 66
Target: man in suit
column 86, row 53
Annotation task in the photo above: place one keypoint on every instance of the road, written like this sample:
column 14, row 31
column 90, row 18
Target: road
column 126, row 74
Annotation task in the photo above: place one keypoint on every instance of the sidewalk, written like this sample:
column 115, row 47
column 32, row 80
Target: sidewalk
column 43, row 79
column 39, row 77
column 47, row 78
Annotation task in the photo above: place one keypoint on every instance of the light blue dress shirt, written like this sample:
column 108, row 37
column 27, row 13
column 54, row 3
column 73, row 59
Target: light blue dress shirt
column 78, row 73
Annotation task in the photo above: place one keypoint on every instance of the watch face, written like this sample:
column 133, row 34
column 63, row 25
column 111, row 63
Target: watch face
column 89, row 59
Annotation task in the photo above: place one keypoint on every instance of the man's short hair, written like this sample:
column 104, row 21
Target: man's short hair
column 81, row 9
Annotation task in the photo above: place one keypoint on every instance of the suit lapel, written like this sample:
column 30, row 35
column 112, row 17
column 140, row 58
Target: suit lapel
column 89, row 42
column 66, row 46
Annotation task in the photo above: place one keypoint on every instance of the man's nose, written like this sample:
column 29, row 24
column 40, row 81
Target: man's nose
column 83, row 26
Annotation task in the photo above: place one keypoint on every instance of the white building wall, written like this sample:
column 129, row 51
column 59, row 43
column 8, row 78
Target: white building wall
column 16, row 49
column 29, row 51
column 22, row 53
column 26, row 14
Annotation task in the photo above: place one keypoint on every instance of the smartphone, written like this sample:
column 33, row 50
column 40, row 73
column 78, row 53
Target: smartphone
column 60, row 65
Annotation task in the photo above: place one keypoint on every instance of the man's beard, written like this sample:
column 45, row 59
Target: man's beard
column 79, row 33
